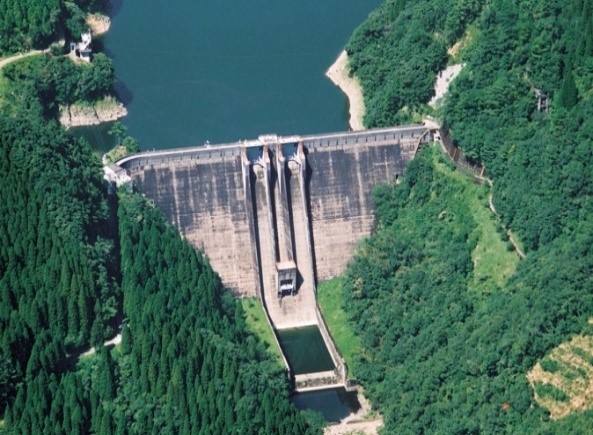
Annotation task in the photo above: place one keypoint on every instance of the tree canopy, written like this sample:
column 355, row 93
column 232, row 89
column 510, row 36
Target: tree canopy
column 78, row 264
column 439, row 355
column 28, row 24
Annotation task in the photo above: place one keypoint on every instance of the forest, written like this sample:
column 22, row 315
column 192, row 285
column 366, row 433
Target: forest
column 447, row 336
column 30, row 24
column 79, row 265
column 440, row 353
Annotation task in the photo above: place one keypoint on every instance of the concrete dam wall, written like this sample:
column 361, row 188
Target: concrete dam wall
column 276, row 215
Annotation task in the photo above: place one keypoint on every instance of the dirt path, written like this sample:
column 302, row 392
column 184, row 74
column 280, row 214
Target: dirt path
column 435, row 125
column 115, row 341
column 444, row 79
column 518, row 250
column 19, row 56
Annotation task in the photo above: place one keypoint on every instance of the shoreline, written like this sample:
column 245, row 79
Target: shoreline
column 106, row 109
column 97, row 112
column 98, row 23
column 338, row 74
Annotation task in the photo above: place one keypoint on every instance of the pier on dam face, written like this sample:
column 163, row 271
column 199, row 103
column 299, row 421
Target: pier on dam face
column 276, row 215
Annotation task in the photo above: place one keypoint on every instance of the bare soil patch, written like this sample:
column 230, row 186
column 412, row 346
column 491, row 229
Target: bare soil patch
column 338, row 73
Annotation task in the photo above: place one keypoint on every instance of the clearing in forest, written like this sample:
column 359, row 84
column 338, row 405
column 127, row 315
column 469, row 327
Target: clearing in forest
column 493, row 257
column 457, row 50
column 563, row 380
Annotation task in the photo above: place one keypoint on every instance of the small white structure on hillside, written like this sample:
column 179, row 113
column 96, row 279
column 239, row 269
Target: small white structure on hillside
column 116, row 174
column 83, row 49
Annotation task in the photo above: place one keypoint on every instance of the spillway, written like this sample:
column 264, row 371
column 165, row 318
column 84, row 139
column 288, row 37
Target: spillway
column 276, row 214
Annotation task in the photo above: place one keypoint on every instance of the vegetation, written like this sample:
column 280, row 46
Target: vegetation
column 58, row 81
column 437, row 353
column 450, row 323
column 329, row 297
column 398, row 50
column 58, row 267
column 77, row 264
column 562, row 380
column 493, row 262
column 256, row 320
column 125, row 144
column 27, row 24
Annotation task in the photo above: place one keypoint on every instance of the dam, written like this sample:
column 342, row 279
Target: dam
column 275, row 215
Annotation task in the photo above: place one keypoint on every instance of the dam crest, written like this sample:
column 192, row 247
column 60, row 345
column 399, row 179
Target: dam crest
column 275, row 215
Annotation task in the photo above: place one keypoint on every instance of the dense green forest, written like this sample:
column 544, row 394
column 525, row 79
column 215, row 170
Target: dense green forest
column 27, row 24
column 444, row 348
column 57, row 264
column 441, row 354
column 398, row 50
column 78, row 264
column 56, row 81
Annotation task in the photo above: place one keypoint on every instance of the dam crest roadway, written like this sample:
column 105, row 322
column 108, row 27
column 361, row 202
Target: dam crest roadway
column 275, row 215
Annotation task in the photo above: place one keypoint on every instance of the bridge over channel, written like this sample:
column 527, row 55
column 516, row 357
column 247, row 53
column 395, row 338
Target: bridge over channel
column 275, row 215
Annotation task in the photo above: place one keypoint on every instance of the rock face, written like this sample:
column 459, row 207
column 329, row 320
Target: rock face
column 76, row 115
column 99, row 24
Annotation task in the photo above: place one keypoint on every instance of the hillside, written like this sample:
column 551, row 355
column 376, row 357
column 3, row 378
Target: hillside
column 455, row 333
column 446, row 347
column 28, row 24
column 78, row 265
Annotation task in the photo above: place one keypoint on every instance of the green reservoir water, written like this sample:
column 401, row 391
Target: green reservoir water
column 223, row 70
column 305, row 350
column 97, row 136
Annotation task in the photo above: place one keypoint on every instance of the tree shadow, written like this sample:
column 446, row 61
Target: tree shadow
column 124, row 93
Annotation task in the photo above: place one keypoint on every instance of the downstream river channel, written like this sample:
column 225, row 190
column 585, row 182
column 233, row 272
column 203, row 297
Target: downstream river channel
column 191, row 71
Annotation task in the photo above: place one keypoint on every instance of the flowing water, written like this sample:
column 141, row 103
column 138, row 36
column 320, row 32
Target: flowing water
column 191, row 71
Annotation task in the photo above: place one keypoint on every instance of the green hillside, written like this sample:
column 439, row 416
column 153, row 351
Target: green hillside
column 453, row 333
column 78, row 265
column 450, row 324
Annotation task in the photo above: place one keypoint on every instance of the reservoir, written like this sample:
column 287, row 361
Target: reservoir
column 191, row 71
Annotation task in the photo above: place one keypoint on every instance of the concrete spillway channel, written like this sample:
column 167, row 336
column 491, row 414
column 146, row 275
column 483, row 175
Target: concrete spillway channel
column 284, row 251
column 275, row 214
